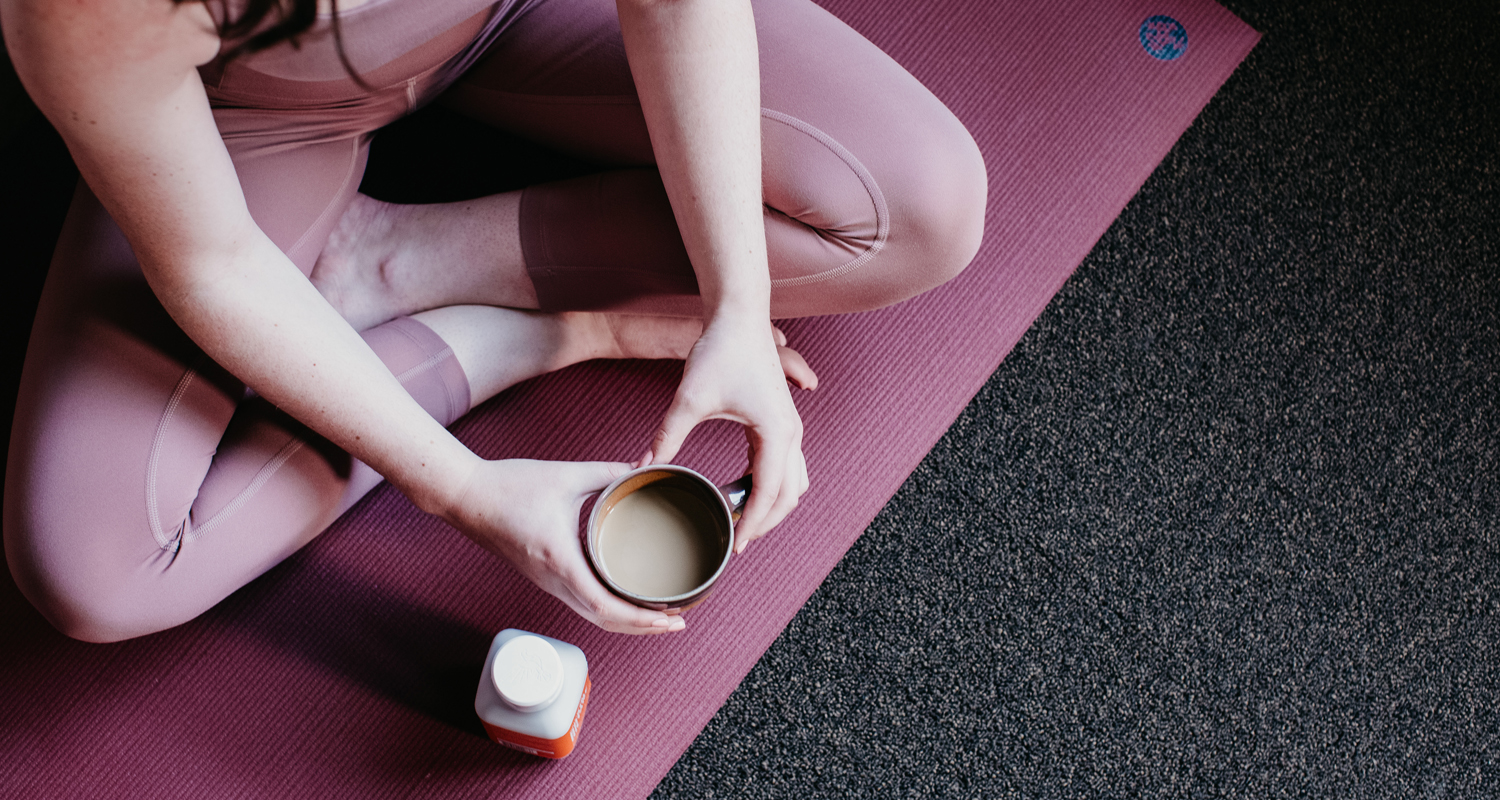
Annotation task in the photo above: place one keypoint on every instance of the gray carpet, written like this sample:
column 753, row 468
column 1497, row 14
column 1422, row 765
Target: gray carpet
column 1224, row 524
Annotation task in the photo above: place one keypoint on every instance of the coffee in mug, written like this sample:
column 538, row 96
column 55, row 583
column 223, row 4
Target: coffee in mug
column 660, row 536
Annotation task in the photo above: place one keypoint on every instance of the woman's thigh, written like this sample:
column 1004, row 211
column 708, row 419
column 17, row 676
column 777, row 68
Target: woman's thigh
column 142, row 486
column 874, row 190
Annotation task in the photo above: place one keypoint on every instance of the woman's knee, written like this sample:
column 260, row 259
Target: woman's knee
column 99, row 617
column 83, row 595
column 937, row 200
column 852, row 232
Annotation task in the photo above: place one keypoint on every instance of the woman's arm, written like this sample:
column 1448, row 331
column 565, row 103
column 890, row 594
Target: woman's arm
column 118, row 79
column 697, row 73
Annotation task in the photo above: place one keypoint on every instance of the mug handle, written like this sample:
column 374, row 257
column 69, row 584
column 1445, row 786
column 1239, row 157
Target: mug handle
column 737, row 493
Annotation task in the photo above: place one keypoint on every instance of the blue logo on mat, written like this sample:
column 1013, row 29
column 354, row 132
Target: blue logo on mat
column 1164, row 38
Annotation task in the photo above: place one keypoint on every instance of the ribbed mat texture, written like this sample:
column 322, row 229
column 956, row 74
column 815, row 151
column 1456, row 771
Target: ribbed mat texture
column 349, row 671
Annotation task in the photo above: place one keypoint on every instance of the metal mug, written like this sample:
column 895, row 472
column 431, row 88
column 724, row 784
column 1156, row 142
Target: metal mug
column 728, row 500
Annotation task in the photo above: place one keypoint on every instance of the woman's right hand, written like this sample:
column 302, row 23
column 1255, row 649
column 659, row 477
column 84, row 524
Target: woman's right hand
column 527, row 513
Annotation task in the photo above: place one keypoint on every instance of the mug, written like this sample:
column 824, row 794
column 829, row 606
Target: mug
column 671, row 542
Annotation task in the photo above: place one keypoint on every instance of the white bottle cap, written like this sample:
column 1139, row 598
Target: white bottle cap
column 528, row 673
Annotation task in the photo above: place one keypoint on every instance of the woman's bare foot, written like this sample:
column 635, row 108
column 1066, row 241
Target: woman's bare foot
column 500, row 347
column 602, row 335
column 354, row 271
column 385, row 260
column 640, row 336
column 456, row 267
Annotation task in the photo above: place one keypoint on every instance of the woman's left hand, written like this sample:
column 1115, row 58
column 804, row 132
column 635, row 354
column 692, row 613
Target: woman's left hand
column 738, row 370
column 696, row 69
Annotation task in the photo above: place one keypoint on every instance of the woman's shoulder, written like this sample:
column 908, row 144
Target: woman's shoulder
column 85, row 36
column 87, row 59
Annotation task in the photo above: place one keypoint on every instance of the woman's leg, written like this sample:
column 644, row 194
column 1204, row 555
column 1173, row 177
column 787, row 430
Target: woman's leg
column 874, row 191
column 142, row 485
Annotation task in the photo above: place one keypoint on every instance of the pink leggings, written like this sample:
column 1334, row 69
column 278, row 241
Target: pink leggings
column 145, row 484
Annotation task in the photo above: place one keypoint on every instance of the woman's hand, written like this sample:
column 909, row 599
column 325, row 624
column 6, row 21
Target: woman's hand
column 738, row 370
column 527, row 513
column 696, row 67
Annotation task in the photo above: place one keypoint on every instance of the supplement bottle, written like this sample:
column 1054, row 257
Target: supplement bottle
column 533, row 692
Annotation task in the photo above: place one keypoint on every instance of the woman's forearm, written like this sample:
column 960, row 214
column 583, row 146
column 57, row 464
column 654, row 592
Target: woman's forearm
column 257, row 316
column 696, row 70
column 118, row 79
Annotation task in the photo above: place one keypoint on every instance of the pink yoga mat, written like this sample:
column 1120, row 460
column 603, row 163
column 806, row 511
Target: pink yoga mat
column 349, row 671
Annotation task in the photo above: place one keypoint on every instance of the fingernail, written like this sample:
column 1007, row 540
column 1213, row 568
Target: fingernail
column 661, row 623
column 677, row 624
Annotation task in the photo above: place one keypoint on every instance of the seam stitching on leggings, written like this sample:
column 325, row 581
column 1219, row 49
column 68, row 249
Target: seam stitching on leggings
column 287, row 451
column 430, row 362
column 290, row 449
column 877, row 197
column 454, row 412
column 353, row 159
column 153, row 508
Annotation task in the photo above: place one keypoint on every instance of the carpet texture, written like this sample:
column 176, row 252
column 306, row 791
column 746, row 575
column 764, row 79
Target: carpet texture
column 1225, row 523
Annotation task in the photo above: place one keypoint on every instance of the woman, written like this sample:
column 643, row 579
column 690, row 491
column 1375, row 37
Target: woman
column 218, row 243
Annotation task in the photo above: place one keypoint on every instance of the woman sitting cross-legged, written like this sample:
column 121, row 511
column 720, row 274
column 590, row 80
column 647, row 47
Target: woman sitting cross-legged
column 761, row 161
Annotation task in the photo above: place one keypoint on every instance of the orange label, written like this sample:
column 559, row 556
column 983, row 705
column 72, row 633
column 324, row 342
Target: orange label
column 546, row 748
